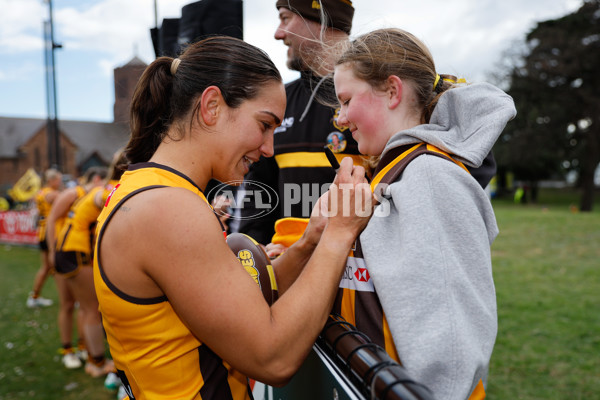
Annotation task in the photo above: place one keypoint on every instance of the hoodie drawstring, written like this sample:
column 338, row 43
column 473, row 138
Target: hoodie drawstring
column 312, row 97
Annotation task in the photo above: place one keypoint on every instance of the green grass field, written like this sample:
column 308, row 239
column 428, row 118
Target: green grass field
column 547, row 271
column 30, row 365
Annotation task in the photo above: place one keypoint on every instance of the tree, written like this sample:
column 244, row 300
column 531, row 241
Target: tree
column 555, row 88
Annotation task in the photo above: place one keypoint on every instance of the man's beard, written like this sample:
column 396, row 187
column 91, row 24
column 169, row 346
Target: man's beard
column 296, row 64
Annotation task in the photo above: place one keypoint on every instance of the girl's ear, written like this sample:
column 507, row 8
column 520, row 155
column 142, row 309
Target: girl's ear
column 394, row 91
column 210, row 104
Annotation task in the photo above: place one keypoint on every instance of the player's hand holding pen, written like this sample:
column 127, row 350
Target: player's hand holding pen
column 348, row 203
column 349, row 199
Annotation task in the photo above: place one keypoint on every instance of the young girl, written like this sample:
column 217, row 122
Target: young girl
column 423, row 287
column 183, row 318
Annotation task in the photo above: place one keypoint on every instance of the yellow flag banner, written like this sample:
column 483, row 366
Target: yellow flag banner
column 26, row 187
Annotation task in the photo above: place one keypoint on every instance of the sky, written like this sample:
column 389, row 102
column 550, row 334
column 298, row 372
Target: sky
column 466, row 37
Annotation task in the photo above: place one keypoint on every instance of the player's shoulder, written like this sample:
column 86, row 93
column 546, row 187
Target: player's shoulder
column 169, row 215
column 171, row 204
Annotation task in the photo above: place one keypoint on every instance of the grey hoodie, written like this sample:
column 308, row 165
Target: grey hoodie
column 427, row 247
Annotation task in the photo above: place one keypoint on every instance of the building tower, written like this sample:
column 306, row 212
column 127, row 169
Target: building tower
column 126, row 77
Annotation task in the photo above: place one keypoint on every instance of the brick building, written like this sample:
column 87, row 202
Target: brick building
column 125, row 79
column 23, row 141
column 23, row 145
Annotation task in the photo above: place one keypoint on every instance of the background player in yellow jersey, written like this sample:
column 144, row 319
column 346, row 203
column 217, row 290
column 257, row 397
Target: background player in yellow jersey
column 93, row 177
column 73, row 260
column 43, row 201
column 183, row 318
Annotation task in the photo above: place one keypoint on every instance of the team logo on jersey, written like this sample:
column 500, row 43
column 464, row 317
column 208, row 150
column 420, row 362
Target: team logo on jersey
column 356, row 276
column 336, row 116
column 336, row 141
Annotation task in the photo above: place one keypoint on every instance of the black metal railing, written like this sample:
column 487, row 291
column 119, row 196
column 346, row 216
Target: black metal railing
column 367, row 365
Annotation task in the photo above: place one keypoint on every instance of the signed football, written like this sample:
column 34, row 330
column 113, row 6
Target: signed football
column 256, row 262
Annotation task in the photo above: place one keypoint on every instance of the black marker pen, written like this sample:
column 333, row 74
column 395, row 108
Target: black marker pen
column 332, row 160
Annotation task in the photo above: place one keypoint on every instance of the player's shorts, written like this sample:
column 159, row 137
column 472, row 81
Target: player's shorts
column 68, row 263
column 43, row 245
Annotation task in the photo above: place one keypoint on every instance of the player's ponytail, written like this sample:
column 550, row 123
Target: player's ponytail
column 150, row 110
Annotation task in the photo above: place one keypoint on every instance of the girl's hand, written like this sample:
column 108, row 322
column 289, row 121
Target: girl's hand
column 274, row 250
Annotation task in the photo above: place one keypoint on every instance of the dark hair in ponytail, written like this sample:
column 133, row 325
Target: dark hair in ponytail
column 118, row 166
column 384, row 52
column 163, row 98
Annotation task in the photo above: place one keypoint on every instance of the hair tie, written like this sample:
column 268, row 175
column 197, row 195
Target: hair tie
column 437, row 85
column 174, row 65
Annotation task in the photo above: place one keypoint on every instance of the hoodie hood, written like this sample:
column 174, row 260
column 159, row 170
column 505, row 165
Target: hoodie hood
column 466, row 123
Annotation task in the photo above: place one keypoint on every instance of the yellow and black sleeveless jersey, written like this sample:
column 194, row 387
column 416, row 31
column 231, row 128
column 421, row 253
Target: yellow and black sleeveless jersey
column 77, row 230
column 156, row 355
column 43, row 207
column 60, row 222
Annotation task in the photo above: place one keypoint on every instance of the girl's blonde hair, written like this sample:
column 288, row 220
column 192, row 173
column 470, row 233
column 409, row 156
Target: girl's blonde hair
column 377, row 55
